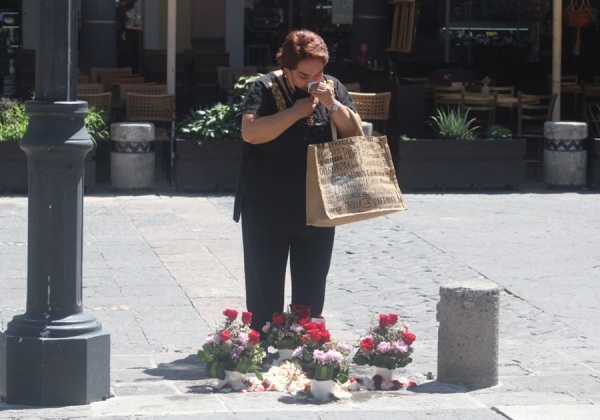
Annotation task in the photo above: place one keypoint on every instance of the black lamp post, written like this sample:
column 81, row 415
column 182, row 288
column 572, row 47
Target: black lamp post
column 54, row 354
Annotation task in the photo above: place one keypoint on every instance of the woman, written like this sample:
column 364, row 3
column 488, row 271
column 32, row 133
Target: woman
column 280, row 117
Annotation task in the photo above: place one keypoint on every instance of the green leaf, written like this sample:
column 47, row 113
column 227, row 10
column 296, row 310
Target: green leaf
column 360, row 360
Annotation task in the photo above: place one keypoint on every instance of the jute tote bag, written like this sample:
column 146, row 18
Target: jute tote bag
column 350, row 179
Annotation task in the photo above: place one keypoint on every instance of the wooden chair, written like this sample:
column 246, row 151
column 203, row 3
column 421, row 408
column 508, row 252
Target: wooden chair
column 159, row 110
column 149, row 89
column 480, row 106
column 205, row 77
column 352, row 87
column 205, row 65
column 83, row 79
column 90, row 88
column 109, row 80
column 95, row 72
column 590, row 97
column 373, row 107
column 536, row 109
column 447, row 95
column 569, row 82
column 102, row 102
column 505, row 91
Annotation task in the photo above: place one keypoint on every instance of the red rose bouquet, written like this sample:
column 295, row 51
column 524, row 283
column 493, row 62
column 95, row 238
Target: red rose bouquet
column 386, row 344
column 285, row 330
column 232, row 346
column 319, row 357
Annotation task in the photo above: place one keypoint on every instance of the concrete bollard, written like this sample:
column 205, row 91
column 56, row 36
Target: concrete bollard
column 468, row 313
column 565, row 160
column 132, row 161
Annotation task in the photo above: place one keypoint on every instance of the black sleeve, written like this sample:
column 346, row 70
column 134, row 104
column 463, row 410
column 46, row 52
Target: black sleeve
column 257, row 100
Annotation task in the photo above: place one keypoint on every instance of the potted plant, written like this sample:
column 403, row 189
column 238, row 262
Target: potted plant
column 322, row 360
column 13, row 160
column 579, row 14
column 386, row 346
column 457, row 158
column 232, row 350
column 208, row 150
column 285, row 330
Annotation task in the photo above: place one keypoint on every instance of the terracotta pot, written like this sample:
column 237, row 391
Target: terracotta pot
column 579, row 19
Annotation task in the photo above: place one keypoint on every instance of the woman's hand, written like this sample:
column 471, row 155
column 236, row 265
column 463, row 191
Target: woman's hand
column 305, row 107
column 324, row 93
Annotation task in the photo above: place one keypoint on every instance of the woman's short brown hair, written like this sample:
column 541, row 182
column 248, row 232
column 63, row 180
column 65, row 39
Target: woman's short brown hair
column 301, row 45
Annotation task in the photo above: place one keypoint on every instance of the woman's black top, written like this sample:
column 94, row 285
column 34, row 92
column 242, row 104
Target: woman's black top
column 271, row 190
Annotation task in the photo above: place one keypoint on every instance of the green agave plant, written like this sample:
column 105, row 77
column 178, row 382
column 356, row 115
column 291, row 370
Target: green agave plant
column 451, row 123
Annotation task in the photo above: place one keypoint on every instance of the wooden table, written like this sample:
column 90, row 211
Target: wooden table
column 503, row 101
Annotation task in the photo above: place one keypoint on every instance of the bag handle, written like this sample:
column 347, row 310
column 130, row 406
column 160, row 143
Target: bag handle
column 354, row 117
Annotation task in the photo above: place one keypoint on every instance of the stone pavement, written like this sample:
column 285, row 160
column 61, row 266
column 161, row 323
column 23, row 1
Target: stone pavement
column 160, row 268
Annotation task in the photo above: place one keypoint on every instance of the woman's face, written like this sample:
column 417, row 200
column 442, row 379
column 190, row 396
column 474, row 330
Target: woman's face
column 309, row 70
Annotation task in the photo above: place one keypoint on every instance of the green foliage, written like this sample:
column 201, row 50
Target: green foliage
column 95, row 125
column 498, row 132
column 404, row 137
column 14, row 121
column 218, row 121
column 451, row 123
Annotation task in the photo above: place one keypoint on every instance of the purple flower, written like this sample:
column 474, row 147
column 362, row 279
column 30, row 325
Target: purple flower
column 297, row 328
column 265, row 329
column 385, row 347
column 298, row 352
column 213, row 339
column 401, row 346
column 243, row 339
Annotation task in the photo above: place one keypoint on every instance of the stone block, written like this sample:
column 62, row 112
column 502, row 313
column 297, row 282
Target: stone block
column 468, row 313
column 565, row 130
column 132, row 170
column 125, row 132
column 132, row 161
column 562, row 168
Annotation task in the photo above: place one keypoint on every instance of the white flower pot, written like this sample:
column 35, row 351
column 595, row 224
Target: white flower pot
column 284, row 354
column 385, row 373
column 233, row 378
column 321, row 390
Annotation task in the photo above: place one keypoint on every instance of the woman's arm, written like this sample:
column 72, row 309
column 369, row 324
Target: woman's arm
column 259, row 130
column 344, row 123
column 342, row 120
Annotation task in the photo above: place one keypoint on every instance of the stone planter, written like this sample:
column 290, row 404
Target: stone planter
column 565, row 158
column 13, row 168
column 594, row 163
column 443, row 164
column 212, row 165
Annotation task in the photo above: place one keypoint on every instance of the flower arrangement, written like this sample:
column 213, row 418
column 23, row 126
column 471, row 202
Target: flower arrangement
column 286, row 329
column 386, row 344
column 319, row 357
column 233, row 346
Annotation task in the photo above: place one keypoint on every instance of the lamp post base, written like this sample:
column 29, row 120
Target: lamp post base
column 42, row 371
